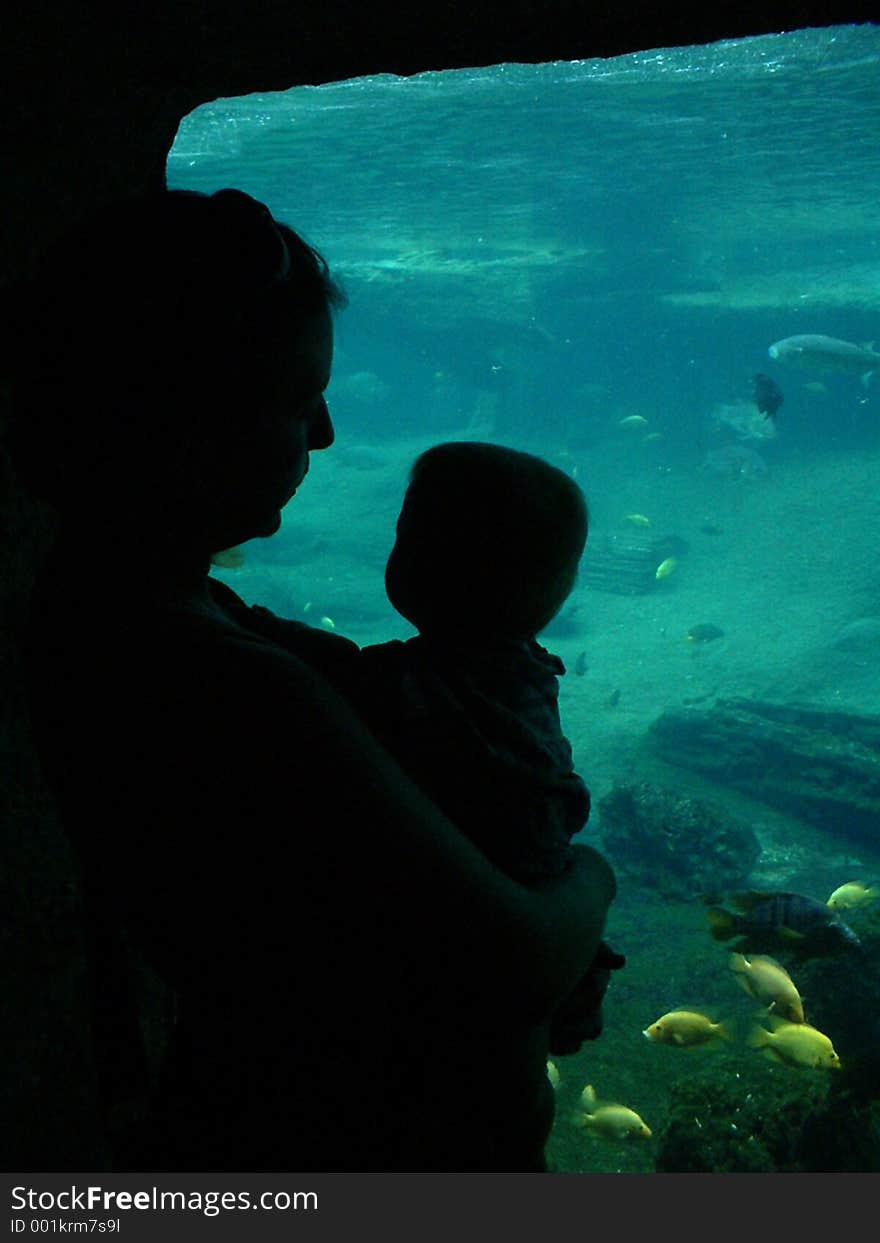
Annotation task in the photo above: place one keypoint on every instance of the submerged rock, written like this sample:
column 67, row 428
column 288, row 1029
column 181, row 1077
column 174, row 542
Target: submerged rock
column 679, row 846
column 743, row 1123
column 734, row 462
column 821, row 765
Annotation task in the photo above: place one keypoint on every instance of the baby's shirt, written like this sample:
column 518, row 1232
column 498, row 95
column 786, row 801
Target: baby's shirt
column 477, row 726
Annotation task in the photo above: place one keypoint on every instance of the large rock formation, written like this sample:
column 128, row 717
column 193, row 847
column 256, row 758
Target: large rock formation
column 816, row 763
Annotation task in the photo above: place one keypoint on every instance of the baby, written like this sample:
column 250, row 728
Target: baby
column 487, row 551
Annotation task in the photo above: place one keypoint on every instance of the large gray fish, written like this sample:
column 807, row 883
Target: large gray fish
column 814, row 352
column 765, row 921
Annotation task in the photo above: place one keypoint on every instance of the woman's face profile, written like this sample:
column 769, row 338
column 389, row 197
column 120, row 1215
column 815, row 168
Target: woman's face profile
column 293, row 422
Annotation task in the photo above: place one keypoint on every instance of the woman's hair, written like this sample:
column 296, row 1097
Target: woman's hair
column 488, row 537
column 155, row 318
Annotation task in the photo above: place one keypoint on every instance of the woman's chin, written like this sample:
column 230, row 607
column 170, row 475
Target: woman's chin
column 261, row 528
column 270, row 526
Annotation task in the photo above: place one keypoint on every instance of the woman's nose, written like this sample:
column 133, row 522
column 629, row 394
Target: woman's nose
column 321, row 433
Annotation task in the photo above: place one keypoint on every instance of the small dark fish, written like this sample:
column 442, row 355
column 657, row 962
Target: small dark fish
column 766, row 921
column 613, row 699
column 581, row 665
column 735, row 462
column 768, row 395
column 704, row 632
column 709, row 528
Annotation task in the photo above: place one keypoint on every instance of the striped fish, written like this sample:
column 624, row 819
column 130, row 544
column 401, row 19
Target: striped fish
column 764, row 921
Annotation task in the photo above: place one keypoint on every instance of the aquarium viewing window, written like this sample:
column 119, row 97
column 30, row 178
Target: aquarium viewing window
column 661, row 272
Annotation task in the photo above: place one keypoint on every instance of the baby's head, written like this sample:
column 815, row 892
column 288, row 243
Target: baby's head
column 487, row 537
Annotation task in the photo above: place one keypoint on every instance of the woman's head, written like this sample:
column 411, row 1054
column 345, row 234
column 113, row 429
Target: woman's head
column 174, row 346
column 487, row 537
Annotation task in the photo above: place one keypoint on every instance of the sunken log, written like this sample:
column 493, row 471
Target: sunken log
column 818, row 764
column 627, row 567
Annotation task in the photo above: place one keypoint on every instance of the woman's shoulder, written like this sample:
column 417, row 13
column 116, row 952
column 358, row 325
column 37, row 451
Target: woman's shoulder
column 330, row 654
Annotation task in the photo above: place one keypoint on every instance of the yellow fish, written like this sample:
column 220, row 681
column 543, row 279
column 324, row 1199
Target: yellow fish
column 849, row 895
column 764, row 979
column 634, row 420
column 685, row 1029
column 638, row 520
column 609, row 1121
column 795, row 1044
column 665, row 568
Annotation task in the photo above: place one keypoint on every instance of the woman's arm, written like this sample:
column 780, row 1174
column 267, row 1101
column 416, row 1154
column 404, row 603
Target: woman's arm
column 308, row 754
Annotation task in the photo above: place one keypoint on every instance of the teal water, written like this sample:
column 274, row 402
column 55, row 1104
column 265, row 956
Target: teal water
column 535, row 254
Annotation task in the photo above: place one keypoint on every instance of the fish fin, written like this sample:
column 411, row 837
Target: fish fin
column 748, row 898
column 758, row 1037
column 722, row 924
column 771, row 962
column 790, row 934
column 589, row 1100
column 776, row 1021
column 866, row 375
column 743, row 982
